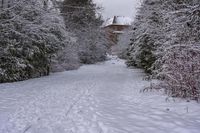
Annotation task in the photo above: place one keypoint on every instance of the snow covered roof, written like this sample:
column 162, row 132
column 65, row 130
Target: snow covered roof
column 118, row 20
column 118, row 32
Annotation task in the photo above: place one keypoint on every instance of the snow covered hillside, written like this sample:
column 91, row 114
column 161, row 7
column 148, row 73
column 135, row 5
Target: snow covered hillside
column 101, row 98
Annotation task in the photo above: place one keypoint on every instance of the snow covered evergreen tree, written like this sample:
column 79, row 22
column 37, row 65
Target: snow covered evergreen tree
column 165, row 41
column 81, row 19
column 30, row 35
column 147, row 33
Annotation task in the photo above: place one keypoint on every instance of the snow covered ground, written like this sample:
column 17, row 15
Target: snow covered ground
column 101, row 98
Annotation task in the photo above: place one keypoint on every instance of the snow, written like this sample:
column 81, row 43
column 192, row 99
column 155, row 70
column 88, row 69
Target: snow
column 100, row 98
column 118, row 32
column 120, row 20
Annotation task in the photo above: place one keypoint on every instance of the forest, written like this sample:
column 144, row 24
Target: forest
column 164, row 40
column 42, row 36
column 38, row 37
column 63, row 70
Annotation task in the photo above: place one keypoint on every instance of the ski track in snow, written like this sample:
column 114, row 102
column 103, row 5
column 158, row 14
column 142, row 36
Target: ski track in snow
column 100, row 98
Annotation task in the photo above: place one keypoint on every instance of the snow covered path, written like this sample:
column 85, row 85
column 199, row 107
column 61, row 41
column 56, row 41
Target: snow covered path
column 101, row 98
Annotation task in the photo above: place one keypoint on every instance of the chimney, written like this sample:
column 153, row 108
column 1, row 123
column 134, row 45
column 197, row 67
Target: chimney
column 115, row 20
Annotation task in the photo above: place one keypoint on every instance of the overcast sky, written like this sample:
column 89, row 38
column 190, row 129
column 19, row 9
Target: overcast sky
column 118, row 7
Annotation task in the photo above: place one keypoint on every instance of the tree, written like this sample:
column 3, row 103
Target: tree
column 165, row 41
column 147, row 35
column 81, row 19
column 30, row 35
column 179, row 64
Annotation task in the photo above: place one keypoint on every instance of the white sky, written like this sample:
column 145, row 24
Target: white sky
column 118, row 7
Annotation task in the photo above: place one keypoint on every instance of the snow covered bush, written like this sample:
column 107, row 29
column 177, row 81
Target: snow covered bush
column 30, row 36
column 179, row 64
column 66, row 58
column 180, row 71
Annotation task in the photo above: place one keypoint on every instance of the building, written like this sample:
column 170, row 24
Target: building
column 116, row 26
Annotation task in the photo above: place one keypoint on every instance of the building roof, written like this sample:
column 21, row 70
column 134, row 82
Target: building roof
column 118, row 20
column 118, row 32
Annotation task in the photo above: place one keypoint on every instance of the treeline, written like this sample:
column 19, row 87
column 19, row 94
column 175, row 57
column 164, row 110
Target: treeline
column 42, row 36
column 165, row 42
column 82, row 19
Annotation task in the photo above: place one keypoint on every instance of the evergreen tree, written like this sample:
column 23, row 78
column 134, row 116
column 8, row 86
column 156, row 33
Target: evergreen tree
column 165, row 42
column 30, row 35
column 80, row 14
column 80, row 18
column 147, row 35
